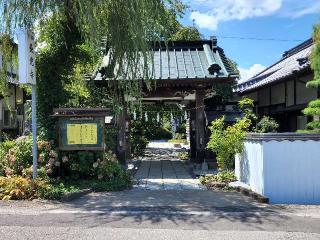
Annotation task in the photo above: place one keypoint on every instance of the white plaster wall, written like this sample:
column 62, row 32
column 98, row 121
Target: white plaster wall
column 249, row 166
column 292, row 171
column 284, row 171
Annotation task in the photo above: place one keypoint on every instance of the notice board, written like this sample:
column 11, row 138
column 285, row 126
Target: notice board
column 81, row 133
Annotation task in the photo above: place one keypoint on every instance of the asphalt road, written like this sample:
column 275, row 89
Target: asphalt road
column 152, row 215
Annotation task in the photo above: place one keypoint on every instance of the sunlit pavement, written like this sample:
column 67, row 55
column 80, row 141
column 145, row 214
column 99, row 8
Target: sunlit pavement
column 161, row 169
column 164, row 174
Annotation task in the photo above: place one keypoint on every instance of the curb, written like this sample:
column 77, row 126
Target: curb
column 71, row 196
column 258, row 197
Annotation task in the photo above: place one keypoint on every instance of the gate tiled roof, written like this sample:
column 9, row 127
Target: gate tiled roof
column 183, row 60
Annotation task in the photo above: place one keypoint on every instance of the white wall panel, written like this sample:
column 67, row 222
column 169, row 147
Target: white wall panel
column 284, row 171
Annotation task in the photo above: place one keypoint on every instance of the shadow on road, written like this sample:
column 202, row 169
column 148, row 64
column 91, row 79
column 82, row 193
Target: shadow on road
column 192, row 207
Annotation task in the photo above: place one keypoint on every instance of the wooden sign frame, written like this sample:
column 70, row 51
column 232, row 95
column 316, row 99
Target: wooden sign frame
column 65, row 123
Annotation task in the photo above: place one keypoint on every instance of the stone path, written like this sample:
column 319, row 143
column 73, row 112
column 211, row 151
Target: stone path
column 161, row 169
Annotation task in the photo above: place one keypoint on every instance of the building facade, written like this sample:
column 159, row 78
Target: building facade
column 12, row 107
column 280, row 90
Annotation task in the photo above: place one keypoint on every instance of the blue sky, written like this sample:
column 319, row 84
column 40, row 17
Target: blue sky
column 277, row 19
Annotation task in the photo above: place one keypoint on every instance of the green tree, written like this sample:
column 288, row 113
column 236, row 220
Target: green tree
column 61, row 64
column 186, row 34
column 313, row 109
column 8, row 53
column 70, row 33
column 126, row 25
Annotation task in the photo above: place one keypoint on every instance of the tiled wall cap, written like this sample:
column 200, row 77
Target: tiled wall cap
column 282, row 137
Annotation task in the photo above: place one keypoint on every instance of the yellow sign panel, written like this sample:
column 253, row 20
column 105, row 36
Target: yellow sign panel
column 82, row 133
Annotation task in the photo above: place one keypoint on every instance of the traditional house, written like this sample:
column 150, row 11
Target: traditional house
column 12, row 107
column 280, row 90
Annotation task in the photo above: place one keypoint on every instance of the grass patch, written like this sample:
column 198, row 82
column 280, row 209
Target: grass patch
column 182, row 141
column 219, row 180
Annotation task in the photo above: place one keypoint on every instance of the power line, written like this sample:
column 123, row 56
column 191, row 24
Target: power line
column 260, row 39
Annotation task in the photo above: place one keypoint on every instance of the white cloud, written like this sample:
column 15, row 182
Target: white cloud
column 296, row 9
column 247, row 73
column 215, row 11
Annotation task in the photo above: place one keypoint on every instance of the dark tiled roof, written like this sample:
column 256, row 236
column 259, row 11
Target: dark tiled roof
column 293, row 61
column 183, row 60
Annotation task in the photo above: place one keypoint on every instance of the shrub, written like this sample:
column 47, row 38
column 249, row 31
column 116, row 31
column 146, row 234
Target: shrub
column 111, row 174
column 19, row 188
column 97, row 168
column 27, row 172
column 74, row 165
column 180, row 136
column 226, row 142
column 157, row 133
column 138, row 140
column 138, row 145
column 266, row 125
column 183, row 155
column 16, row 156
column 111, row 138
column 103, row 171
column 56, row 189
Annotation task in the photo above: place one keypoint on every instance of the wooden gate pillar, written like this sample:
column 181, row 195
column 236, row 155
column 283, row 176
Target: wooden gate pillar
column 122, row 143
column 200, row 125
column 192, row 132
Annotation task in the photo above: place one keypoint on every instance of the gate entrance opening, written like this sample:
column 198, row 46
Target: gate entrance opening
column 185, row 72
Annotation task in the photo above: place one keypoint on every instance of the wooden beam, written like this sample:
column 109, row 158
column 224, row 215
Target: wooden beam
column 295, row 91
column 285, row 93
column 193, row 145
column 200, row 125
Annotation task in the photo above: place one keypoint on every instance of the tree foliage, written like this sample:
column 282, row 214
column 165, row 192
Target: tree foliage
column 266, row 125
column 186, row 34
column 8, row 55
column 127, row 27
column 313, row 109
column 69, row 37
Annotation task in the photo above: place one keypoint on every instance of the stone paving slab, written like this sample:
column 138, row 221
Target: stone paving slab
column 158, row 174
